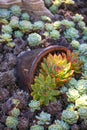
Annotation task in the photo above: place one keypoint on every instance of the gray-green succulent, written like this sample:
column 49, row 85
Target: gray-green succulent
column 67, row 23
column 18, row 34
column 25, row 26
column 71, row 107
column 55, row 127
column 72, row 94
column 71, row 34
column 70, row 116
column 81, row 24
column 82, row 111
column 75, row 44
column 12, row 122
column 83, row 49
column 38, row 25
column 78, row 17
column 7, row 29
column 46, row 18
column 15, row 112
column 81, row 101
column 48, row 2
column 53, row 9
column 63, row 124
column 43, row 118
column 57, row 25
column 85, row 33
column 4, row 14
column 34, row 39
column 25, row 16
column 36, row 127
column 49, row 27
column 34, row 105
column 5, row 38
column 72, row 83
column 15, row 10
column 82, row 86
column 14, row 23
column 54, row 34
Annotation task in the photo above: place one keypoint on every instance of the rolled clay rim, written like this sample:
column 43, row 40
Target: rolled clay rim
column 40, row 56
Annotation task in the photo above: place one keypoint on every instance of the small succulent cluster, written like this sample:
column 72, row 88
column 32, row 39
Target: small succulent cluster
column 72, row 95
column 56, row 77
column 77, row 91
column 12, row 119
column 36, row 127
column 83, row 112
column 14, row 105
column 11, row 122
column 55, row 66
column 55, row 72
column 44, row 89
column 34, row 105
column 68, row 24
column 69, row 116
column 53, row 5
column 44, row 118
column 55, row 127
column 18, row 24
column 71, row 34
column 76, row 62
column 81, row 101
column 34, row 39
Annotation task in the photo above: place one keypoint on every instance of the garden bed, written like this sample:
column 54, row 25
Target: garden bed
column 21, row 37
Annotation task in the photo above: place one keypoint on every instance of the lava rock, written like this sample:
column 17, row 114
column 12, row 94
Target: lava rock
column 4, row 93
column 7, row 78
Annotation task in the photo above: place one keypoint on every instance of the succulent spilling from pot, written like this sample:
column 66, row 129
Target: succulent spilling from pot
column 58, row 100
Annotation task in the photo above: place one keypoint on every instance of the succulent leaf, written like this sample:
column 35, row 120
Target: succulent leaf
column 34, row 105
column 11, row 122
column 44, row 89
column 57, row 67
column 76, row 63
column 69, row 116
column 36, row 127
column 83, row 113
column 43, row 118
column 34, row 39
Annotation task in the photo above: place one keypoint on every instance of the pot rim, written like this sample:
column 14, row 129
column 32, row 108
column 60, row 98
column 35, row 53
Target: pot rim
column 41, row 55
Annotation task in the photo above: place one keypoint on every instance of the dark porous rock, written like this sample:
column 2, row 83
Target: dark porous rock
column 1, row 48
column 11, row 60
column 1, row 57
column 7, row 78
column 20, row 46
column 75, row 127
column 22, row 96
column 7, row 49
column 3, row 119
column 1, row 126
column 54, row 107
column 58, row 116
column 28, row 114
column 4, row 93
column 83, row 125
column 23, row 123
column 7, row 128
column 3, row 66
column 7, row 106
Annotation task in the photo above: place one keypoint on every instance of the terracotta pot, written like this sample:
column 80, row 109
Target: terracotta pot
column 28, row 63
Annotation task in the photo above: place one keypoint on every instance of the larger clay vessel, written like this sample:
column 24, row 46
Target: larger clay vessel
column 28, row 64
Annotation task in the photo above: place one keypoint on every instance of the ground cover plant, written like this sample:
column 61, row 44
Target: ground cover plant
column 59, row 93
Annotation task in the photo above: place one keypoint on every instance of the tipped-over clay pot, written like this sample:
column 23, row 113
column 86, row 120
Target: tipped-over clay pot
column 28, row 63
